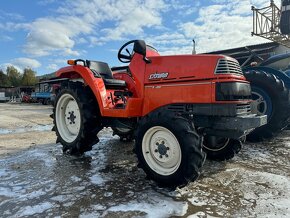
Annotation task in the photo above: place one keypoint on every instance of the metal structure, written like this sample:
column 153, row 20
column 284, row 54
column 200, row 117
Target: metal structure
column 266, row 24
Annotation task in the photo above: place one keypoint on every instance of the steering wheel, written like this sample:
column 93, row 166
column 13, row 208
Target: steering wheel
column 125, row 58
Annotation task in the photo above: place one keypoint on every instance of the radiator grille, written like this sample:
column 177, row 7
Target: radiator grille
column 243, row 109
column 228, row 66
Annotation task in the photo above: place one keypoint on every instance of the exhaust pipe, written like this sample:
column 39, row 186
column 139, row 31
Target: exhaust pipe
column 193, row 50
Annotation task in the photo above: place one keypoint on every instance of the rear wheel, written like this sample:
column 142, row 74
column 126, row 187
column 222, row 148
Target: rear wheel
column 271, row 99
column 169, row 149
column 76, row 119
column 220, row 148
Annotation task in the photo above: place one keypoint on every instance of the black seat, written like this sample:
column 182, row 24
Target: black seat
column 114, row 84
column 102, row 69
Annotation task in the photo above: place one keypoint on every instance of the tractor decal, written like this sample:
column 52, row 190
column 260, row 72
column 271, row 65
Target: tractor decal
column 158, row 76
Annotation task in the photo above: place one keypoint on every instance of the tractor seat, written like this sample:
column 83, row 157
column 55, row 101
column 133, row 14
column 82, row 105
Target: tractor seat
column 102, row 69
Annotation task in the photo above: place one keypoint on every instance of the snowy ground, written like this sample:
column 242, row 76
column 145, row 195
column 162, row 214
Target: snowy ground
column 37, row 179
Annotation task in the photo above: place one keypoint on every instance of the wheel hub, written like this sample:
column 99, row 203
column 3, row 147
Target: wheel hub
column 162, row 149
column 68, row 117
column 71, row 117
column 259, row 105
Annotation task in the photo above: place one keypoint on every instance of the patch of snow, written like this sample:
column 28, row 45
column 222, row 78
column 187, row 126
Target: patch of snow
column 3, row 173
column 7, row 192
column 108, row 194
column 157, row 208
column 75, row 179
column 61, row 198
column 96, row 211
column 97, row 179
column 5, row 131
column 42, row 128
column 90, row 215
column 48, row 160
column 33, row 195
column 36, row 209
column 98, row 207
column 272, row 202
column 37, row 128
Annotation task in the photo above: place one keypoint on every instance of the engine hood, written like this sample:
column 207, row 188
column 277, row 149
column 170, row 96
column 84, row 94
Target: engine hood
column 184, row 68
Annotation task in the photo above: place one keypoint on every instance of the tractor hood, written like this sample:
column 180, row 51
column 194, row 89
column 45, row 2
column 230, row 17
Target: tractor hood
column 191, row 67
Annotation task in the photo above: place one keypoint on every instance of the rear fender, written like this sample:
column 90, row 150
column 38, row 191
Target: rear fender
column 96, row 84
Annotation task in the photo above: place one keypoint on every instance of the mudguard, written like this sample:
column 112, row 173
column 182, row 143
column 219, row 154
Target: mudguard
column 95, row 83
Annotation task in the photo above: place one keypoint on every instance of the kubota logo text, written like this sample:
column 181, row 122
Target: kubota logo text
column 158, row 75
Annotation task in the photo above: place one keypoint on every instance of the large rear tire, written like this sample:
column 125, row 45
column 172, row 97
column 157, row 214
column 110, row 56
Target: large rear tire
column 271, row 99
column 220, row 148
column 169, row 149
column 76, row 119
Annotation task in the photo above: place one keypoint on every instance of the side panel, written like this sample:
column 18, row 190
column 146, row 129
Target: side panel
column 191, row 92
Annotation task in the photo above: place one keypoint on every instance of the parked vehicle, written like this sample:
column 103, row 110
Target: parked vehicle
column 170, row 103
column 271, row 93
column 3, row 98
column 43, row 93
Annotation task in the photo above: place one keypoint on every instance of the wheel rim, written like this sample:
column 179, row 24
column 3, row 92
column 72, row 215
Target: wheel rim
column 262, row 102
column 215, row 143
column 161, row 150
column 68, row 118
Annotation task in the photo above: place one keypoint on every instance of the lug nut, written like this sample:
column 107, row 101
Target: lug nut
column 166, row 155
column 156, row 150
column 160, row 156
column 167, row 148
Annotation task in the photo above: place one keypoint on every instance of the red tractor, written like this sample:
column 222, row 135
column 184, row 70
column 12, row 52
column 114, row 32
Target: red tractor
column 176, row 107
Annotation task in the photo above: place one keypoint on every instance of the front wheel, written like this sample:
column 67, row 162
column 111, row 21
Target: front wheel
column 76, row 119
column 169, row 149
column 221, row 148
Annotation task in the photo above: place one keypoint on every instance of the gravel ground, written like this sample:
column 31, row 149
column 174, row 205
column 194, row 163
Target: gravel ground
column 38, row 180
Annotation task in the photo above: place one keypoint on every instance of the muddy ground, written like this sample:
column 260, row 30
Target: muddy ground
column 38, row 180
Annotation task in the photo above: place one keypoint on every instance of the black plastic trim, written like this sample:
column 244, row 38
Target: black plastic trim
column 233, row 91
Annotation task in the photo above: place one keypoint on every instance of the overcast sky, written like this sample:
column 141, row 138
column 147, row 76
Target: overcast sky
column 44, row 34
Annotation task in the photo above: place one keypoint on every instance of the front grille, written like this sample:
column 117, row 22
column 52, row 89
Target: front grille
column 231, row 110
column 243, row 109
column 228, row 66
